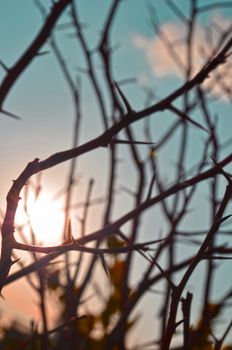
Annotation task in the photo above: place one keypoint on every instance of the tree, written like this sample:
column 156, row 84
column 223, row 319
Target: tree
column 141, row 197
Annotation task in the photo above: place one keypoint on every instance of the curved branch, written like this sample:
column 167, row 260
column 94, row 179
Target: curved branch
column 102, row 141
column 31, row 52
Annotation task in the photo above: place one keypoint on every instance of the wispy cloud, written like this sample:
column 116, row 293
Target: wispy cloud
column 170, row 58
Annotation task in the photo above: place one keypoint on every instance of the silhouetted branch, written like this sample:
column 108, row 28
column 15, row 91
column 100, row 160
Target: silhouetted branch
column 31, row 52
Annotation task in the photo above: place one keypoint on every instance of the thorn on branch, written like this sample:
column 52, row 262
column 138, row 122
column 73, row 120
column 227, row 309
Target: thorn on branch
column 104, row 265
column 2, row 64
column 124, row 99
column 42, row 53
column 177, row 324
column 224, row 218
column 9, row 114
column 15, row 261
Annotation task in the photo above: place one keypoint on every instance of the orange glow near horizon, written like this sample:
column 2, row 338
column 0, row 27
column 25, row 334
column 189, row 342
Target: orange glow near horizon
column 45, row 217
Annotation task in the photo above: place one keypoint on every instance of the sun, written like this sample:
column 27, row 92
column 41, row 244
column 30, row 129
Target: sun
column 45, row 217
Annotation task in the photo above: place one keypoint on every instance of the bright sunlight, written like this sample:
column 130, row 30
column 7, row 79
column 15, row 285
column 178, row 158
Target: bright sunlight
column 42, row 216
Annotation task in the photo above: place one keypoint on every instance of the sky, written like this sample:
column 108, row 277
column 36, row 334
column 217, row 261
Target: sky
column 42, row 99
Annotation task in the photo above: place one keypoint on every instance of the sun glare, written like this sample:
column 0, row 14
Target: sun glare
column 45, row 216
